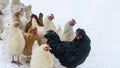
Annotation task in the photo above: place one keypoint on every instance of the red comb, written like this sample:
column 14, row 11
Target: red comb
column 52, row 15
column 74, row 21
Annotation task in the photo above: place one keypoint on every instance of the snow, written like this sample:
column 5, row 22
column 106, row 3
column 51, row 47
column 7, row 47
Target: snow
column 100, row 19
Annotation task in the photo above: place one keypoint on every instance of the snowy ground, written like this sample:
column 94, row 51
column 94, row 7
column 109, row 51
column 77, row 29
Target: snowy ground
column 100, row 19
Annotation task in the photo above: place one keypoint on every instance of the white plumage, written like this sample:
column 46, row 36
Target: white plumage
column 41, row 33
column 59, row 31
column 41, row 58
column 16, row 41
column 68, row 33
column 48, row 24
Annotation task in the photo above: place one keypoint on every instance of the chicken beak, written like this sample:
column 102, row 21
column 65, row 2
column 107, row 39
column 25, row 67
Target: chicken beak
column 78, row 36
column 49, row 47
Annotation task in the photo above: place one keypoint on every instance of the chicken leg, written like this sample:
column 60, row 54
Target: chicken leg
column 28, row 59
column 13, row 61
column 16, row 62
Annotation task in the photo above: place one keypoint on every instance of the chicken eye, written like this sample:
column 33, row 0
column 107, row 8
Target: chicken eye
column 46, row 48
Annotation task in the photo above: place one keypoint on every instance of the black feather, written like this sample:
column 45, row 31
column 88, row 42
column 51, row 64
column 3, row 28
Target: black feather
column 70, row 54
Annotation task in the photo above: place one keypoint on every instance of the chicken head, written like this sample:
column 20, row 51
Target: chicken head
column 80, row 33
column 72, row 22
column 51, row 17
column 16, row 24
column 47, row 47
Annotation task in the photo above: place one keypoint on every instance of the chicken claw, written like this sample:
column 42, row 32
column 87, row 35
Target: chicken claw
column 13, row 61
column 28, row 59
column 16, row 62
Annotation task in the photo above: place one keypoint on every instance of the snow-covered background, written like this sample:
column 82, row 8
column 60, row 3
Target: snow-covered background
column 100, row 19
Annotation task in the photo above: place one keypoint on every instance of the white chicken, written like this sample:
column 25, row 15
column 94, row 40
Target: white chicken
column 41, row 57
column 3, row 5
column 17, row 6
column 15, row 43
column 48, row 24
column 68, row 33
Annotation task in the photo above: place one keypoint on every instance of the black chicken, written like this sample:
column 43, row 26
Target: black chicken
column 70, row 54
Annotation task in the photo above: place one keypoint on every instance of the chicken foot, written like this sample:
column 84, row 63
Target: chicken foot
column 13, row 61
column 28, row 59
column 16, row 62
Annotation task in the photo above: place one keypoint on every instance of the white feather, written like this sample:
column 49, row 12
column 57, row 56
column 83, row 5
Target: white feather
column 41, row 58
column 48, row 24
column 16, row 42
column 35, row 46
column 59, row 31
column 68, row 33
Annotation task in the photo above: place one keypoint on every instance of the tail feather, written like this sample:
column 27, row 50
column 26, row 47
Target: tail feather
column 59, row 31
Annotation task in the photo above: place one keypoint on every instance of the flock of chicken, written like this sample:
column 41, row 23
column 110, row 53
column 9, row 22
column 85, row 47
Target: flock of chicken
column 37, row 39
